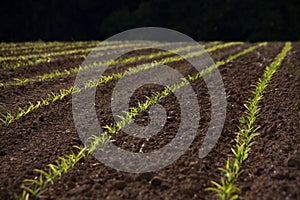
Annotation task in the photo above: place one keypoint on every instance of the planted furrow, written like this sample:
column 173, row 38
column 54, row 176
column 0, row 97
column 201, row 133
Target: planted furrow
column 183, row 179
column 55, row 46
column 40, row 47
column 101, row 46
column 275, row 170
column 67, row 162
column 47, row 57
column 60, row 63
column 102, row 51
column 56, row 84
column 58, row 66
column 4, row 46
column 226, row 188
column 41, row 51
column 110, row 62
column 9, row 118
column 23, row 139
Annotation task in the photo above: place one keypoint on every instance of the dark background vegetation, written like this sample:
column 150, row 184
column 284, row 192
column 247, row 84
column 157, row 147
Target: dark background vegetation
column 252, row 20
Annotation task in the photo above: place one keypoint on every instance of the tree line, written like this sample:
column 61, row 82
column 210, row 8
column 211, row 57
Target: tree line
column 251, row 20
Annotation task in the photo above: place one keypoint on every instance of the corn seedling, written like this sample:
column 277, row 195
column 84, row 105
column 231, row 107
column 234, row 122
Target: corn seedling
column 53, row 47
column 68, row 72
column 226, row 188
column 51, row 98
column 47, row 57
column 42, row 45
column 66, row 162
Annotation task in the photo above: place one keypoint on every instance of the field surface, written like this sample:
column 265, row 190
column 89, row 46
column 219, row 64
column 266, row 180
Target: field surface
column 37, row 130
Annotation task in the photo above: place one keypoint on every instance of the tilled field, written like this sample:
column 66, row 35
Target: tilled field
column 258, row 149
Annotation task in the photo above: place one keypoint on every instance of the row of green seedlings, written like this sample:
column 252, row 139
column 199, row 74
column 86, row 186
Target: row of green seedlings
column 74, row 54
column 39, row 51
column 46, row 76
column 72, row 71
column 26, row 60
column 62, row 50
column 24, row 45
column 226, row 188
column 34, row 44
column 56, row 46
column 9, row 118
column 40, row 46
column 57, row 73
column 50, row 56
column 63, row 164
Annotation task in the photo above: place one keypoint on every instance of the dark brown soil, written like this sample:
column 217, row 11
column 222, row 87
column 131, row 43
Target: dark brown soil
column 57, row 63
column 31, row 71
column 41, row 137
column 273, row 168
column 14, row 97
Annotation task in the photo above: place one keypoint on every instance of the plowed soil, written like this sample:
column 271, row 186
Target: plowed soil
column 271, row 172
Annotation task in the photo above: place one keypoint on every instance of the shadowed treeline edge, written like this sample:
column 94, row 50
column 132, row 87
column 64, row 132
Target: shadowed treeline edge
column 252, row 20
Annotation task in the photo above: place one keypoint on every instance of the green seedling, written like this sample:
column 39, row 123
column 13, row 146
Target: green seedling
column 226, row 188
column 52, row 97
column 59, row 168
column 73, row 71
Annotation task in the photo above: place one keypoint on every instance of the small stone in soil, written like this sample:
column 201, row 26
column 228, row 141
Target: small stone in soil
column 120, row 185
column 294, row 161
column 79, row 189
column 156, row 181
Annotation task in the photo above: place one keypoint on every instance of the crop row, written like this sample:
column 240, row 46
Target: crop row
column 27, row 60
column 41, row 46
column 63, row 164
column 226, row 188
column 62, row 51
column 37, row 51
column 47, row 56
column 37, row 47
column 110, row 62
column 23, row 61
column 67, row 50
column 9, row 118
